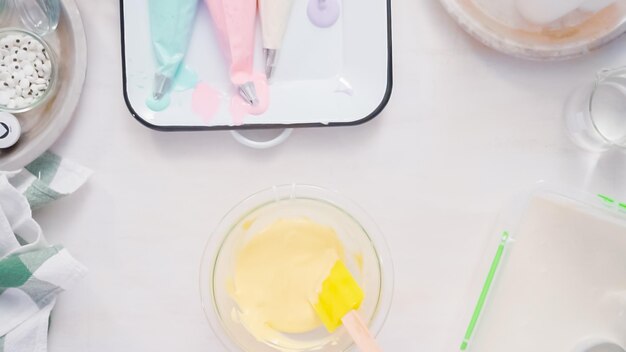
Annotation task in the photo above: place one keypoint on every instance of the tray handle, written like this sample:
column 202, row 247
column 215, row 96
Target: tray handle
column 279, row 139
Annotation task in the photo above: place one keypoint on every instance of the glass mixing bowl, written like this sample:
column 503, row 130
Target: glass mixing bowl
column 367, row 257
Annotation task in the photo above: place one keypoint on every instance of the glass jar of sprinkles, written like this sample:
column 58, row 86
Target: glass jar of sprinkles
column 28, row 70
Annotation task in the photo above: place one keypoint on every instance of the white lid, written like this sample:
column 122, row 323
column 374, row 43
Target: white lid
column 10, row 130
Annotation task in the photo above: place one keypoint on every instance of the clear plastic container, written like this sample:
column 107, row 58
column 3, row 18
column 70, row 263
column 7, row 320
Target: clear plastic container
column 366, row 254
column 556, row 281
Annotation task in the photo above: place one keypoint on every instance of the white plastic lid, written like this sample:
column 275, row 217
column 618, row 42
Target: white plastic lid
column 10, row 130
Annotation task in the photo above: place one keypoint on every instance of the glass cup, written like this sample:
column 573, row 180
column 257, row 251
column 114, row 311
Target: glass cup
column 595, row 113
column 5, row 12
column 40, row 16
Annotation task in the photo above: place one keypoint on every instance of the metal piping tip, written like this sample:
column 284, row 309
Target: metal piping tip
column 161, row 86
column 248, row 93
column 269, row 71
column 271, row 58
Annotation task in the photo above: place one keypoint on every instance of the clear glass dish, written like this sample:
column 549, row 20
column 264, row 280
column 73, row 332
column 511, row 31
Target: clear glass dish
column 497, row 24
column 366, row 254
column 53, row 72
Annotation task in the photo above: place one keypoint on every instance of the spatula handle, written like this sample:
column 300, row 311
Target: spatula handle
column 361, row 335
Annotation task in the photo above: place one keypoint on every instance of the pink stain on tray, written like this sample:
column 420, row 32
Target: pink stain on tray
column 239, row 108
column 205, row 101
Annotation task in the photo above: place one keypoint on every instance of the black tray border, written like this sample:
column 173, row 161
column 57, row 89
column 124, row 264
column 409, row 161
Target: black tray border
column 365, row 119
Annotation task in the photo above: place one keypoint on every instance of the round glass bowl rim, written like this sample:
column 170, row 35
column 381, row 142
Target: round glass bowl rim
column 263, row 198
column 496, row 41
column 53, row 70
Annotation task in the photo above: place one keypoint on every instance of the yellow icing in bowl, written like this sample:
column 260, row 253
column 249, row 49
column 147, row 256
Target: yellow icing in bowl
column 270, row 252
column 279, row 270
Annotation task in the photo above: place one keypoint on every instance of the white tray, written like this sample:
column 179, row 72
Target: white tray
column 310, row 86
column 42, row 126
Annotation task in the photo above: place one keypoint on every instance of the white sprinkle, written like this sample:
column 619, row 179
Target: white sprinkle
column 19, row 75
column 28, row 69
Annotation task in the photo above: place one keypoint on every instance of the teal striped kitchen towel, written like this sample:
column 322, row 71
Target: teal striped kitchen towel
column 33, row 272
column 48, row 178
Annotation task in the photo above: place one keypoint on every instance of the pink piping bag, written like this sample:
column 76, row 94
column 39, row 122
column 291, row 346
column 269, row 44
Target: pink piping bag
column 234, row 22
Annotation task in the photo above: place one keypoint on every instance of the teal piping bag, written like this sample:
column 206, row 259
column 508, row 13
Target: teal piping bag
column 171, row 22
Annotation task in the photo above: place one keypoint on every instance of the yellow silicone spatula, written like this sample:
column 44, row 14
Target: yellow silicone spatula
column 339, row 298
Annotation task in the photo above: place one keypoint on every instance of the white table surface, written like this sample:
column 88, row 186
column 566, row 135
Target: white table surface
column 466, row 129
